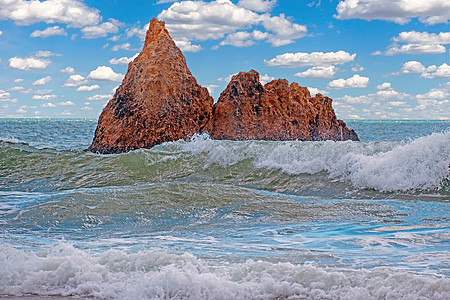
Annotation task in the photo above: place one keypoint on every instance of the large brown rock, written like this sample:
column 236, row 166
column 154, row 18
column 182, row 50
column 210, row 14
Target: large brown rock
column 159, row 100
column 276, row 111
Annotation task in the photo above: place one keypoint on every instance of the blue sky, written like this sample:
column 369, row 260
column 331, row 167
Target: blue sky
column 377, row 59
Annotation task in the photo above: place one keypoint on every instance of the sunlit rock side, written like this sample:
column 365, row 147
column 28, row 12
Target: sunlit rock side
column 158, row 101
column 276, row 111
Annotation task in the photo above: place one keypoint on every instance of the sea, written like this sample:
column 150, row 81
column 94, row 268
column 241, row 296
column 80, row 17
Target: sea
column 208, row 219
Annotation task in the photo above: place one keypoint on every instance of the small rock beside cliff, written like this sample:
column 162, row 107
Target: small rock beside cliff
column 276, row 111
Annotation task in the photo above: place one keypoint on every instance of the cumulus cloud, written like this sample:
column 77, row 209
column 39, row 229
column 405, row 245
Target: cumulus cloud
column 75, row 80
column 99, row 97
column 257, row 5
column 443, row 71
column 355, row 81
column 101, row 30
column 186, row 46
column 48, row 105
column 384, row 86
column 431, row 72
column 1, row 32
column 67, row 103
column 42, row 81
column 44, row 97
column 28, row 63
column 88, row 88
column 301, row 59
column 400, row 11
column 122, row 60
column 200, row 20
column 49, row 31
column 418, row 43
column 104, row 73
column 72, row 12
column 265, row 79
column 124, row 46
column 318, row 72
column 315, row 91
column 4, row 95
column 67, row 70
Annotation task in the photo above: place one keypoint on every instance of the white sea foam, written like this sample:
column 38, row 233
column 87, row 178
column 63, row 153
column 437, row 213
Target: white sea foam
column 386, row 166
column 67, row 271
column 9, row 140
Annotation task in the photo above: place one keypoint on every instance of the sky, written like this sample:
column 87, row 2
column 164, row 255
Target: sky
column 377, row 59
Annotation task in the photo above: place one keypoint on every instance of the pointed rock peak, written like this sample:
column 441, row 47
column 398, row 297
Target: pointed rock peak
column 250, row 77
column 155, row 31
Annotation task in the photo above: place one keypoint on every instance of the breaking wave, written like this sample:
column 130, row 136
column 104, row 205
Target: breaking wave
column 421, row 164
column 66, row 271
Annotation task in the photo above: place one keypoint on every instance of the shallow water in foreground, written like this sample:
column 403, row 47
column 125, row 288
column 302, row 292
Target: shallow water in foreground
column 226, row 220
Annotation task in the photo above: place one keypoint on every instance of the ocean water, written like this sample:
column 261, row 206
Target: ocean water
column 205, row 219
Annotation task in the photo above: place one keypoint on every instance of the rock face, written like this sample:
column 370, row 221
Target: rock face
column 159, row 100
column 276, row 111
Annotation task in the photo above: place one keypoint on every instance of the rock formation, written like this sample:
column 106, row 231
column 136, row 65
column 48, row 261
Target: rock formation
column 276, row 111
column 159, row 99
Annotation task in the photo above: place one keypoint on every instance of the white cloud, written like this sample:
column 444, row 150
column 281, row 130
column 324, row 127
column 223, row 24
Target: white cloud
column 384, row 86
column 357, row 68
column 44, row 97
column 42, row 81
column 301, row 59
column 415, row 49
column 414, row 37
column 123, row 60
column 16, row 88
column 257, row 5
column 315, row 91
column 49, row 31
column 45, row 53
column 86, row 108
column 418, row 43
column 75, row 80
column 28, row 63
column 104, row 73
column 18, row 80
column 101, row 30
column 318, row 72
column 99, row 97
column 72, row 12
column 4, row 95
column 265, row 79
column 411, row 67
column 67, row 70
column 1, row 32
column 186, row 46
column 125, row 46
column 355, row 81
column 67, row 103
column 88, row 88
column 66, row 113
column 443, row 71
column 431, row 72
column 226, row 79
column 21, row 111
column 238, row 39
column 200, row 20
column 399, row 11
column 48, row 105
column 211, row 88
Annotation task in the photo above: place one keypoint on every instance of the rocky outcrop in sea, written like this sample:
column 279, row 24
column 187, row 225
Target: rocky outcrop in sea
column 160, row 101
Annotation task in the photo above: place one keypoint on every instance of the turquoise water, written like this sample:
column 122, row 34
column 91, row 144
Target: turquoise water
column 208, row 219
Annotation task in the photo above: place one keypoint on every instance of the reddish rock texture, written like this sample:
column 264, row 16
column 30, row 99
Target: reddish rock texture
column 276, row 111
column 159, row 100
